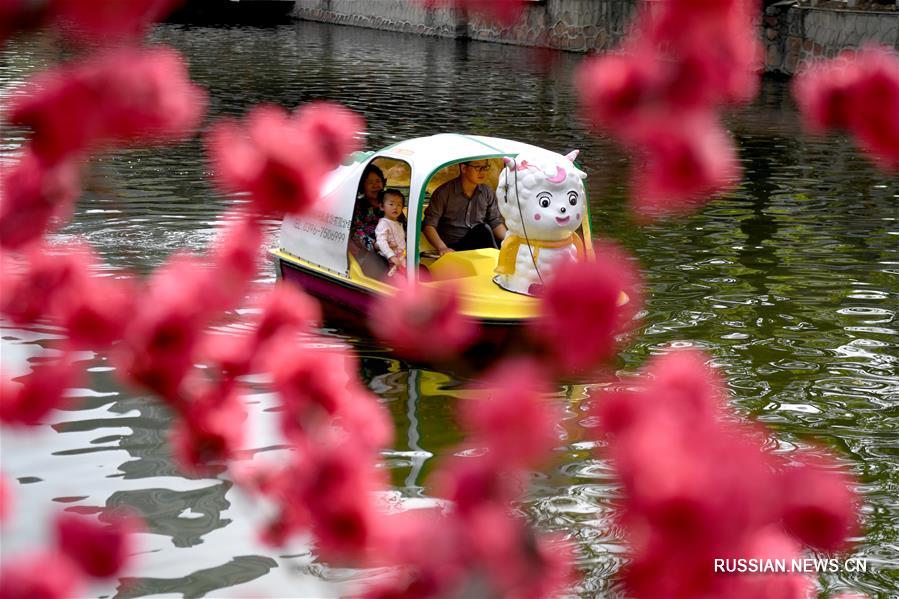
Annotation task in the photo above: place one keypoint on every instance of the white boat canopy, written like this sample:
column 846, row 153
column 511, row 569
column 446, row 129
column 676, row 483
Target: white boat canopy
column 322, row 238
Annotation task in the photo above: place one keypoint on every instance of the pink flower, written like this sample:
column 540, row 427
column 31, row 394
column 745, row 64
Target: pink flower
column 332, row 129
column 267, row 161
column 41, row 391
column 27, row 295
column 820, row 506
column 235, row 354
column 684, row 164
column 94, row 310
column 329, row 489
column 512, row 416
column 470, row 483
column 5, row 493
column 616, row 90
column 286, row 308
column 517, row 562
column 423, row 321
column 279, row 159
column 109, row 19
column 340, row 496
column 504, row 12
column 677, row 64
column 684, row 385
column 824, row 93
column 318, row 388
column 235, row 259
column 48, row 575
column 36, row 198
column 874, row 119
column 126, row 95
column 211, row 428
column 661, row 96
column 597, row 299
column 857, row 93
column 100, row 550
column 726, row 72
column 769, row 544
column 97, row 316
column 429, row 549
column 712, row 54
column 163, row 336
column 682, row 511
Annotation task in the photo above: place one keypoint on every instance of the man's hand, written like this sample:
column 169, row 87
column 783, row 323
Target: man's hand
column 445, row 250
column 434, row 238
column 397, row 261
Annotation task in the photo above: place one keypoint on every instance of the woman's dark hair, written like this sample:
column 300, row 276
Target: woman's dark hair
column 371, row 168
column 391, row 191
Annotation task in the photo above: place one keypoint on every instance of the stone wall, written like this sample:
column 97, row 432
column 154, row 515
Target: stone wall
column 576, row 25
column 389, row 15
column 797, row 35
column 793, row 34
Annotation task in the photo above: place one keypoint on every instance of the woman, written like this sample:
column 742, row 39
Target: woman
column 366, row 215
column 368, row 211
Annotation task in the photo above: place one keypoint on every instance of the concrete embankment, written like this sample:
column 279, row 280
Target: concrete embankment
column 792, row 34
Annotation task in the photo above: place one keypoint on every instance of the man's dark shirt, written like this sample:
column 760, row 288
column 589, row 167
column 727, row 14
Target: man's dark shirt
column 453, row 214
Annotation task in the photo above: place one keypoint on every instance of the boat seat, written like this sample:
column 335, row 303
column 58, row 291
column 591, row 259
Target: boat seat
column 367, row 266
column 469, row 263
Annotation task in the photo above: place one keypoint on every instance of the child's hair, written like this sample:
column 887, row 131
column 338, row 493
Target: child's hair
column 392, row 191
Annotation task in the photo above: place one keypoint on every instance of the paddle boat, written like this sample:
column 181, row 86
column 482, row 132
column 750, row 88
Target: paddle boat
column 496, row 290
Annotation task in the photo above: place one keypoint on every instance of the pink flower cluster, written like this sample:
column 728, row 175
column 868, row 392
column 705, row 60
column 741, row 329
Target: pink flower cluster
column 84, row 550
column 423, row 322
column 698, row 486
column 503, row 12
column 157, row 329
column 477, row 547
column 859, row 93
column 120, row 96
column 333, row 426
column 685, row 60
column 281, row 160
column 328, row 486
column 595, row 300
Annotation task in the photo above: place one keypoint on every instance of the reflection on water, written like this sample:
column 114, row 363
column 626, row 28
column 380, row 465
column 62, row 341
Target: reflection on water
column 789, row 283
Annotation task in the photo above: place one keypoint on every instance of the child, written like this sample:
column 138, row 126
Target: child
column 389, row 234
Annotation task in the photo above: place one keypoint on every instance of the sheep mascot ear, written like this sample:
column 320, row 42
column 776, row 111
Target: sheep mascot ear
column 572, row 156
column 509, row 162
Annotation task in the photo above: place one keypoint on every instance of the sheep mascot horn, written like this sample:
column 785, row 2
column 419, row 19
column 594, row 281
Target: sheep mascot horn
column 541, row 197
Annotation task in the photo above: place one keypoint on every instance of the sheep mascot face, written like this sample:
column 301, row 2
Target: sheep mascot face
column 541, row 197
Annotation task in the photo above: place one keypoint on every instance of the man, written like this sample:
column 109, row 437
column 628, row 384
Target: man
column 463, row 214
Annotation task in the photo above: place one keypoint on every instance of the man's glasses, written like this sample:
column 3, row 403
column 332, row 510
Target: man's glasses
column 480, row 169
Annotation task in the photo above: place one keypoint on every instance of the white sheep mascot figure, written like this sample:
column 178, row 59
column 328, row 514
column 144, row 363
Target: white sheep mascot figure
column 541, row 197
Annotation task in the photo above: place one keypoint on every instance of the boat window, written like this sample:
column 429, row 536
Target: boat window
column 426, row 252
column 362, row 248
column 452, row 171
column 397, row 172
